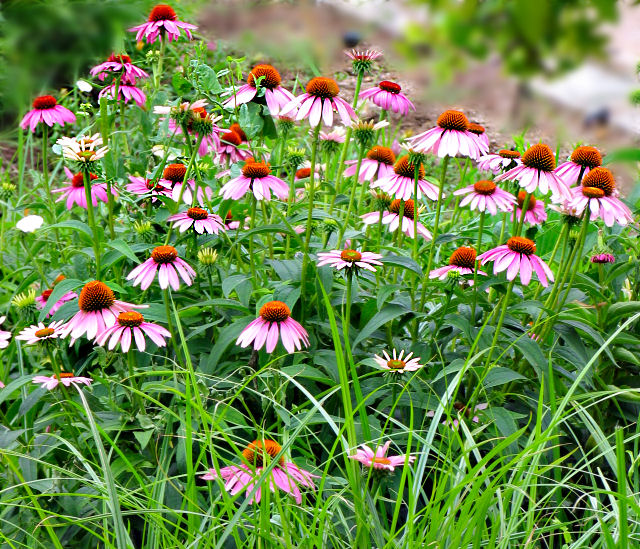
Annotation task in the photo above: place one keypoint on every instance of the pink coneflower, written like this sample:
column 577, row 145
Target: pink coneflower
column 603, row 258
column 319, row 103
column 274, row 319
column 257, row 179
column 336, row 135
column 285, row 476
column 378, row 164
column 39, row 332
column 582, row 159
column 598, row 190
column 479, row 131
column 500, row 161
column 67, row 379
column 463, row 411
column 147, row 187
column 536, row 172
column 349, row 260
column 387, row 95
column 97, row 310
column 75, row 193
column 363, row 55
column 275, row 95
column 162, row 21
column 401, row 182
column 379, row 459
column 173, row 177
column 46, row 109
column 165, row 261
column 399, row 364
column 229, row 149
column 231, row 224
column 127, row 90
column 462, row 261
column 42, row 299
column 4, row 335
column 201, row 220
column 119, row 64
column 450, row 137
column 304, row 173
column 485, row 195
column 391, row 218
column 130, row 326
column 535, row 214
column 518, row 256
column 199, row 123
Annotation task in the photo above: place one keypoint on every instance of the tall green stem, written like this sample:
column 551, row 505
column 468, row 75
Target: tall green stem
column 352, row 196
column 92, row 220
column 475, row 269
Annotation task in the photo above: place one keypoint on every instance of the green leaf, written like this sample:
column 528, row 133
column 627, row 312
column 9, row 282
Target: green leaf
column 402, row 262
column 207, row 79
column 618, row 310
column 250, row 120
column 121, row 246
column 389, row 312
column 231, row 282
column 72, row 224
column 180, row 84
column 499, row 376
column 61, row 288
column 622, row 155
column 226, row 337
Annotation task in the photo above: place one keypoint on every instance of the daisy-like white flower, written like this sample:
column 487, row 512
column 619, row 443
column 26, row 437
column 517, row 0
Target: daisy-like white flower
column 46, row 110
column 286, row 476
column 147, row 187
column 163, row 22
column 535, row 214
column 75, row 194
column 379, row 459
column 518, row 256
column 269, row 80
column 349, row 260
column 378, row 164
column 83, row 149
column 485, row 195
column 391, row 218
column 131, row 326
column 37, row 333
column 67, row 379
column 4, row 335
column 164, row 260
column 462, row 261
column 401, row 182
column 201, row 220
column 127, row 90
column 97, row 310
column 256, row 177
column 582, row 159
column 598, row 191
column 388, row 95
column 603, row 258
column 274, row 319
column 42, row 299
column 463, row 412
column 319, row 103
column 479, row 131
column 229, row 150
column 450, row 137
column 536, row 172
column 496, row 163
column 173, row 177
column 118, row 65
column 30, row 223
column 399, row 364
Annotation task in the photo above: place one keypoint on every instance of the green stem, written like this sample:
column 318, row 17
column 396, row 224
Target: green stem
column 92, row 220
column 475, row 270
column 496, row 334
column 352, row 196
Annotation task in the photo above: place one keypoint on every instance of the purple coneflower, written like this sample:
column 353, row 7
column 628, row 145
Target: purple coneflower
column 450, row 137
column 131, row 326
column 256, row 177
column 498, row 162
column 583, row 159
column 127, row 90
column 603, row 258
column 349, row 260
column 162, row 21
column 201, row 220
column 379, row 459
column 75, row 193
column 399, row 364
column 536, row 173
column 46, row 109
column 401, row 182
column 462, row 261
column 147, row 187
column 485, row 195
column 391, row 218
column 39, row 332
column 518, row 256
column 319, row 103
column 42, row 299
column 173, row 177
column 535, row 214
column 164, row 260
column 119, row 64
column 229, row 149
column 388, row 95
column 285, row 476
column 67, row 379
column 269, row 79
column 274, row 319
column 479, row 131
column 377, row 164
